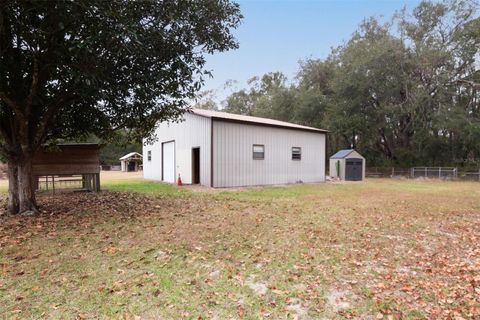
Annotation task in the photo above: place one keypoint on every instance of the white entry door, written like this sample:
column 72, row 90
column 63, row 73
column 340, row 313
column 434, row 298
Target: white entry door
column 168, row 161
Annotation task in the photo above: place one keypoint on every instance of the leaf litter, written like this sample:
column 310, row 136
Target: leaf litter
column 384, row 253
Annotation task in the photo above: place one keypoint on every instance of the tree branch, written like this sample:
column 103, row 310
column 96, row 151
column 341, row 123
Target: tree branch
column 473, row 84
column 12, row 105
column 48, row 117
column 33, row 86
column 3, row 133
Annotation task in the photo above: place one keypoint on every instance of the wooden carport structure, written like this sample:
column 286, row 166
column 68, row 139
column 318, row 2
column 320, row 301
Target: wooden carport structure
column 79, row 161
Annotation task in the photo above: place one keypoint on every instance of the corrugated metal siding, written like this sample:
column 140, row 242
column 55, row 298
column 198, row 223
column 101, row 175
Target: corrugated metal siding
column 233, row 159
column 191, row 133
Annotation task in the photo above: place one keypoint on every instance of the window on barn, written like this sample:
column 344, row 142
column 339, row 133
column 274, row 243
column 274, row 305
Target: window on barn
column 258, row 152
column 149, row 155
column 296, row 153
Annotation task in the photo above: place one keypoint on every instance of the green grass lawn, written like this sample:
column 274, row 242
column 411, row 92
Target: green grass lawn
column 143, row 186
column 389, row 249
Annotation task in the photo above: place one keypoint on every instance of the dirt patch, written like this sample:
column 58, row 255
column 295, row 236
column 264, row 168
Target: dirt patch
column 258, row 287
column 297, row 307
column 338, row 299
column 120, row 175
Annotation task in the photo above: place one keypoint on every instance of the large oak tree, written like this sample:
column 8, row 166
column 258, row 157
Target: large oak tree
column 73, row 68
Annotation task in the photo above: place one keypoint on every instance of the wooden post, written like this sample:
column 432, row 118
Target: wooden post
column 53, row 184
column 87, row 182
column 439, row 172
column 97, row 182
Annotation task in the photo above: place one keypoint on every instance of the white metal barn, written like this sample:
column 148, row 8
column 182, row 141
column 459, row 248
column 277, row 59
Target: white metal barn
column 220, row 149
column 347, row 165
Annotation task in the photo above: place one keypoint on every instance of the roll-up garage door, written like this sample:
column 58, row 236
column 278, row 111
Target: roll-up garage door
column 168, row 161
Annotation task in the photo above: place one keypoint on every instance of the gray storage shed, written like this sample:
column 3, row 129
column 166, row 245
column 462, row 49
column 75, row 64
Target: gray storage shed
column 347, row 165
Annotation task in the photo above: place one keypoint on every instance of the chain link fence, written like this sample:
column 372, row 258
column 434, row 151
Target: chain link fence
column 445, row 173
column 434, row 172
column 387, row 172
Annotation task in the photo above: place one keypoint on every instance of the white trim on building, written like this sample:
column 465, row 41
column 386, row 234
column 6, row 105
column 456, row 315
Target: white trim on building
column 218, row 149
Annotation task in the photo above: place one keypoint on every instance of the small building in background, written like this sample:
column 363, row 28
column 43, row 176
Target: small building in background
column 131, row 162
column 347, row 165
column 67, row 166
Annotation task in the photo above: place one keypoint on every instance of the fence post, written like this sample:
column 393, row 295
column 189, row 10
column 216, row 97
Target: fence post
column 393, row 171
column 412, row 173
column 426, row 172
column 439, row 172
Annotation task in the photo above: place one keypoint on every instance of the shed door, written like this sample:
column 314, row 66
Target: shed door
column 353, row 169
column 168, row 161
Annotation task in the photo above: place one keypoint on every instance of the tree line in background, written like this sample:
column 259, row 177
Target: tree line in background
column 404, row 93
column 121, row 143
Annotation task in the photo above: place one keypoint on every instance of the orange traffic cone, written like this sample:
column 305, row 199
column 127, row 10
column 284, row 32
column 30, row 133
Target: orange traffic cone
column 179, row 181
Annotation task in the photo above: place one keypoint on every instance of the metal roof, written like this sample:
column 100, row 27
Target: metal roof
column 342, row 154
column 131, row 154
column 254, row 120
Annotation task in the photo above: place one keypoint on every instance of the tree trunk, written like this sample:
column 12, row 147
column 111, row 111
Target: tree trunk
column 26, row 194
column 13, row 202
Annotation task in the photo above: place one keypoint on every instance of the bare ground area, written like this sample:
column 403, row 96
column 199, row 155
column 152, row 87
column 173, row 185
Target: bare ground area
column 119, row 175
column 106, row 176
column 383, row 249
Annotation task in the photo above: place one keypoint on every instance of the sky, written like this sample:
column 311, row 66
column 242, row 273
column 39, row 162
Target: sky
column 276, row 35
